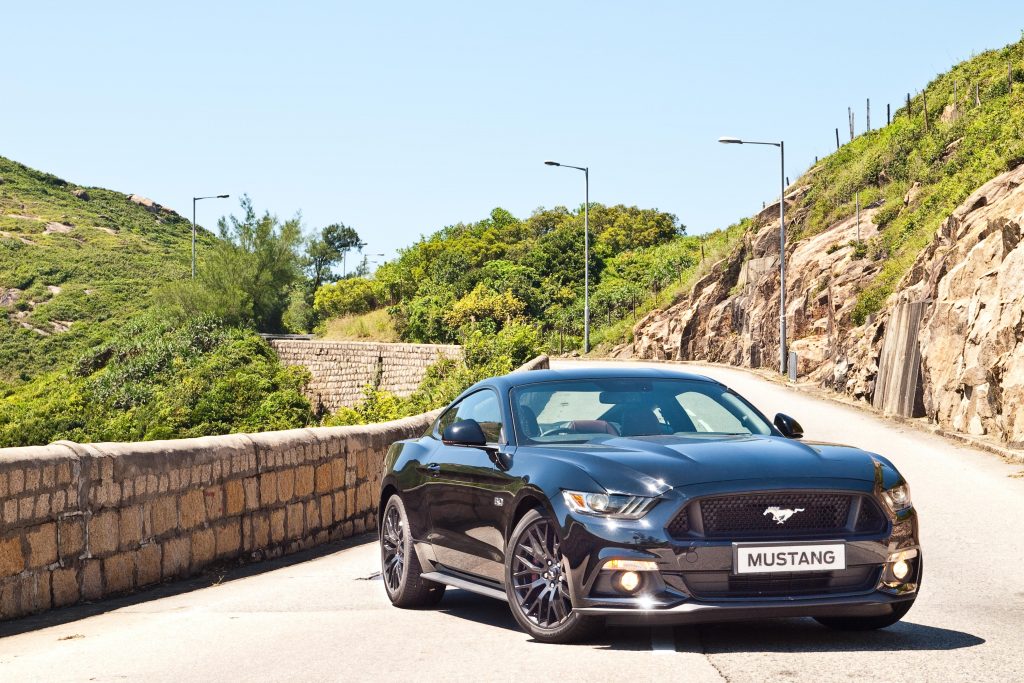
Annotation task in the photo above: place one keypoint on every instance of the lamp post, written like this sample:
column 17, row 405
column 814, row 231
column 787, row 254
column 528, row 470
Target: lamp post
column 782, row 240
column 194, row 200
column 586, row 250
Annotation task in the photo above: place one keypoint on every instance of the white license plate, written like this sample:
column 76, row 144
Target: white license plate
column 811, row 557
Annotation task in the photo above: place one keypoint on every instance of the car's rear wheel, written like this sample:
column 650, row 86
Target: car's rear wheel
column 899, row 610
column 400, row 568
column 537, row 584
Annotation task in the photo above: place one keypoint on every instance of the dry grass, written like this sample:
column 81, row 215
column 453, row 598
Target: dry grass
column 373, row 326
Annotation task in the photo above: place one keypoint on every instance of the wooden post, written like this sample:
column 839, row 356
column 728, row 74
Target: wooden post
column 977, row 96
column 858, row 217
column 908, row 104
column 888, row 114
column 837, row 139
column 849, row 113
column 867, row 122
column 815, row 160
column 924, row 108
column 1009, row 76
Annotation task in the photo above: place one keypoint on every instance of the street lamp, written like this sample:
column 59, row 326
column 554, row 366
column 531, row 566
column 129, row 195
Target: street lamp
column 782, row 240
column 586, row 250
column 194, row 200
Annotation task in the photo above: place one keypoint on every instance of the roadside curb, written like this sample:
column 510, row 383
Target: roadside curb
column 1009, row 455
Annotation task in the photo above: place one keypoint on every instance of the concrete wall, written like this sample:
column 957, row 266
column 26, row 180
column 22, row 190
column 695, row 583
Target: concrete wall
column 341, row 369
column 81, row 522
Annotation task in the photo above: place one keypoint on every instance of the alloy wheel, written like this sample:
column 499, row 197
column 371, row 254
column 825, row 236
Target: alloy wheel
column 538, row 576
column 393, row 548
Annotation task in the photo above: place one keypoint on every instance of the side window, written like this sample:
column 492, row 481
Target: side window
column 482, row 407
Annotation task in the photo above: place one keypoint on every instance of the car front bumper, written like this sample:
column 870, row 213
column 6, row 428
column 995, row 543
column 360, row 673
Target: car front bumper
column 695, row 580
column 695, row 612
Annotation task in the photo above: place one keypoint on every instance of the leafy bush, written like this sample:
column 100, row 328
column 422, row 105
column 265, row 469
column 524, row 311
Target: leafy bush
column 157, row 380
column 344, row 297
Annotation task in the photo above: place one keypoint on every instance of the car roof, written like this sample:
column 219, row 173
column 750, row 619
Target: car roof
column 515, row 379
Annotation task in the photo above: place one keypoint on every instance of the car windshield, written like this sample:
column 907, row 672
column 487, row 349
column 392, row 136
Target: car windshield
column 585, row 410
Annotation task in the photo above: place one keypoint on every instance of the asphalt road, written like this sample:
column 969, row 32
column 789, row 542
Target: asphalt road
column 319, row 616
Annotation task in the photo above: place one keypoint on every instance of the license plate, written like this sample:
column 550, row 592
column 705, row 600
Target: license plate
column 807, row 557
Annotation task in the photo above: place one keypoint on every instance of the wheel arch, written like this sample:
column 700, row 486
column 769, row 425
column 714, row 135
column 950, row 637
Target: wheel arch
column 388, row 490
column 526, row 501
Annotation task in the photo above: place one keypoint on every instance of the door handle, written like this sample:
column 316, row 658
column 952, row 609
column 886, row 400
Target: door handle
column 433, row 468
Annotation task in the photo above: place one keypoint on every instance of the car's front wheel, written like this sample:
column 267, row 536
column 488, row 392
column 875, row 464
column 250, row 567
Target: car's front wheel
column 400, row 568
column 537, row 585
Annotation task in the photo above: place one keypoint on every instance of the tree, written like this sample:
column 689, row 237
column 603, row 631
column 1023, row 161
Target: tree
column 328, row 249
column 247, row 278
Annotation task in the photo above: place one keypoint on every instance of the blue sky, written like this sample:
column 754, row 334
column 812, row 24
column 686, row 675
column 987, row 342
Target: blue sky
column 401, row 118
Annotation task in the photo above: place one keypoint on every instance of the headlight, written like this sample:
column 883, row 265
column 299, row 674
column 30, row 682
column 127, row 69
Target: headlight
column 613, row 505
column 897, row 498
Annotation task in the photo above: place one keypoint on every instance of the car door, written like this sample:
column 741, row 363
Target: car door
column 468, row 493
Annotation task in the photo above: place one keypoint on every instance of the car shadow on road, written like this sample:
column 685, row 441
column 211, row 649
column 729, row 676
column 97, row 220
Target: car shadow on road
column 806, row 635
column 486, row 611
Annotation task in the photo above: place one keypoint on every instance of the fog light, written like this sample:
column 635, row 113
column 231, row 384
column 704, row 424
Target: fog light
column 628, row 581
column 900, row 570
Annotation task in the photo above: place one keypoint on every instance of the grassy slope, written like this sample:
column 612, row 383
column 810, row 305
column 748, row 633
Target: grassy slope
column 105, row 265
column 955, row 155
column 375, row 325
column 950, row 159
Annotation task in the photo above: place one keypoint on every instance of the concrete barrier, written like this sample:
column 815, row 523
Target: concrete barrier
column 898, row 384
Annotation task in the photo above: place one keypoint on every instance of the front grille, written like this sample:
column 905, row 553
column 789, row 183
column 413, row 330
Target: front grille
column 747, row 514
column 796, row 514
column 710, row 585
column 680, row 525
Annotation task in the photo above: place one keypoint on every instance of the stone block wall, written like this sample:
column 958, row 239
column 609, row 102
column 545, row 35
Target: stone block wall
column 86, row 521
column 341, row 369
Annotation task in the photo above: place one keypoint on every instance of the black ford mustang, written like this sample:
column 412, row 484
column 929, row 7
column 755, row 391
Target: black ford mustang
column 642, row 495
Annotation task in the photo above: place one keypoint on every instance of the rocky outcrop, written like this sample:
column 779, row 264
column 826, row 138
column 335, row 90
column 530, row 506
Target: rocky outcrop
column 958, row 315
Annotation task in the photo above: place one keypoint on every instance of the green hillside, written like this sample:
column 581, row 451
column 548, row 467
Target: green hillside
column 75, row 261
column 84, row 353
column 974, row 131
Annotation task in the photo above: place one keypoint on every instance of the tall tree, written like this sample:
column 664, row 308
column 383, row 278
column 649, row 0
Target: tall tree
column 248, row 275
column 327, row 250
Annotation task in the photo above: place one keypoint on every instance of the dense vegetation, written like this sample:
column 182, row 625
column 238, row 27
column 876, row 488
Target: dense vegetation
column 153, row 380
column 504, row 270
column 965, row 142
column 104, row 336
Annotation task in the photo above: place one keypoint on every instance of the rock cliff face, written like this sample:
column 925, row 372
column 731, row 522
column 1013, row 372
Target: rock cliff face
column 949, row 344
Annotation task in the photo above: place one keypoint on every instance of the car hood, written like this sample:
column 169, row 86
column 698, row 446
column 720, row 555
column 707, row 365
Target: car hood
column 642, row 464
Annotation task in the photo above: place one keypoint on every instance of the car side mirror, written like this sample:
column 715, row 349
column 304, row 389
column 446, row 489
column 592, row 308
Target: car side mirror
column 789, row 427
column 464, row 433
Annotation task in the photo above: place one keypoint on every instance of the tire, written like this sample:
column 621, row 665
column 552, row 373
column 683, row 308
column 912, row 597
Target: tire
column 899, row 610
column 400, row 567
column 540, row 600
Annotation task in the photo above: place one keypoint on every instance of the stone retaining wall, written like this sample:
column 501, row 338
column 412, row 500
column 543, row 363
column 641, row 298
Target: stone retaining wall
column 341, row 369
column 81, row 522
column 87, row 521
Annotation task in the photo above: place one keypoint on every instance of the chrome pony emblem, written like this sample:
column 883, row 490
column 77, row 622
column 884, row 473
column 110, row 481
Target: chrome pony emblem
column 780, row 515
